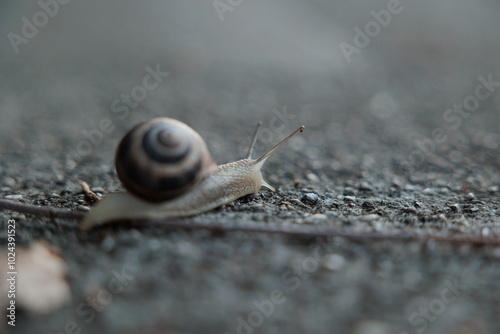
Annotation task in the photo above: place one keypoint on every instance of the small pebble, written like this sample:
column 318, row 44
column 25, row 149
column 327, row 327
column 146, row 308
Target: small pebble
column 310, row 198
column 14, row 196
column 350, row 198
column 83, row 208
column 285, row 205
column 470, row 196
column 474, row 209
column 18, row 216
column 493, row 189
column 411, row 187
column 485, row 231
column 444, row 190
column 349, row 191
column 9, row 182
column 429, row 191
column 296, row 201
column 454, row 207
column 409, row 210
column 312, row 177
column 334, row 262
column 71, row 164
column 365, row 186
column 108, row 244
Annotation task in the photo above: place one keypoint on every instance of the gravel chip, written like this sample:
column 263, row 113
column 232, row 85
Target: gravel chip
column 313, row 177
column 13, row 196
column 83, row 208
column 310, row 198
column 334, row 262
column 350, row 198
column 470, row 196
column 9, row 182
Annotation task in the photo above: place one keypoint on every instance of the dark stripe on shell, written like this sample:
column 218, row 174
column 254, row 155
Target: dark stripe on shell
column 124, row 151
column 180, row 181
column 126, row 164
column 149, row 184
column 155, row 148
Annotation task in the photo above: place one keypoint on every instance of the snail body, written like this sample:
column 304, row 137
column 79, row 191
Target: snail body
column 177, row 179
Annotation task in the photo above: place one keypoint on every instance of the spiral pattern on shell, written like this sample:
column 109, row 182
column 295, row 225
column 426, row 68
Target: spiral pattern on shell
column 161, row 159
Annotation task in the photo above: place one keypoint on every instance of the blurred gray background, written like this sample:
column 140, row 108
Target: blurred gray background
column 261, row 56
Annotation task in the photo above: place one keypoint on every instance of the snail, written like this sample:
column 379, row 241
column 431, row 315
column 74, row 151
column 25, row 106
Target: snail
column 168, row 172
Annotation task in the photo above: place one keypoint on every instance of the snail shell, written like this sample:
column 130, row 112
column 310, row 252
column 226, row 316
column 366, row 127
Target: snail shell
column 162, row 159
column 168, row 172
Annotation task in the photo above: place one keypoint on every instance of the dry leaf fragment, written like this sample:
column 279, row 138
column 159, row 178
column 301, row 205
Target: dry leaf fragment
column 41, row 286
